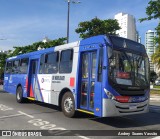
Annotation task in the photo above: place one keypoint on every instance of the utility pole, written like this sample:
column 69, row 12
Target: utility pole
column 68, row 16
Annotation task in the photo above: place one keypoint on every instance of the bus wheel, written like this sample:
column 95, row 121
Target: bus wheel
column 19, row 95
column 68, row 104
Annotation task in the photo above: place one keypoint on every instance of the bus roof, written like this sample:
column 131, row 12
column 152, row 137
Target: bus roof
column 115, row 41
column 47, row 50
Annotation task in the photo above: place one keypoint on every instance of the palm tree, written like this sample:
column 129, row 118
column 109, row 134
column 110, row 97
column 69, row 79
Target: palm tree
column 156, row 57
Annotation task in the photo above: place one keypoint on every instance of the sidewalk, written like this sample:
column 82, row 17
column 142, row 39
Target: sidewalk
column 155, row 97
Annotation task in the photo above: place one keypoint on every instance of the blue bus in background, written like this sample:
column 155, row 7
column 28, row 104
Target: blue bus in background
column 102, row 75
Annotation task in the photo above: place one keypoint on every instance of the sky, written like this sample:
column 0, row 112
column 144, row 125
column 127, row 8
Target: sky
column 23, row 22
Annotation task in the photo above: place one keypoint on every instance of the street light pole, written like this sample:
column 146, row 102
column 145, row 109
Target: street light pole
column 68, row 15
column 68, row 21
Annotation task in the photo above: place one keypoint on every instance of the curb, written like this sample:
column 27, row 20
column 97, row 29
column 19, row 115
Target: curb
column 155, row 99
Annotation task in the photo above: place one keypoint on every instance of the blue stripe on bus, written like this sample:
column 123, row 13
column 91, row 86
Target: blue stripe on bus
column 39, row 89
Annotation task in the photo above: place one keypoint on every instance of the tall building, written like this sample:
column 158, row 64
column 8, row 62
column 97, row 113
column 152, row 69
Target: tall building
column 138, row 38
column 128, row 26
column 150, row 47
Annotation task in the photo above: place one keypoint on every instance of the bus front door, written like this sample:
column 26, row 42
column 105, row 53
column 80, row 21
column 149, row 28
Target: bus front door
column 34, row 87
column 33, row 78
column 89, row 85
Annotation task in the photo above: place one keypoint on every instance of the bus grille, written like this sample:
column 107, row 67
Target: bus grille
column 125, row 108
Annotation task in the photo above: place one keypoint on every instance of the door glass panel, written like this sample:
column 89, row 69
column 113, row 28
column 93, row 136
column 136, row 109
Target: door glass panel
column 84, row 90
column 88, row 72
column 92, row 95
column 85, row 66
column 93, row 64
column 33, row 67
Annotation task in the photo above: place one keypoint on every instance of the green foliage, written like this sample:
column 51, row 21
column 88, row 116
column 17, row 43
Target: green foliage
column 97, row 27
column 2, row 62
column 153, row 76
column 155, row 92
column 156, row 57
column 27, row 49
column 35, row 46
column 155, row 86
column 153, row 12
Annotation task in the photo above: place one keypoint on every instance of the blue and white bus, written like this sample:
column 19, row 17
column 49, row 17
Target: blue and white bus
column 101, row 75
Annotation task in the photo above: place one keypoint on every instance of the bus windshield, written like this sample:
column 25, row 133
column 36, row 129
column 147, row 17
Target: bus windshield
column 130, row 69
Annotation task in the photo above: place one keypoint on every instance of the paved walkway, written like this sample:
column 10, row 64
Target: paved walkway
column 155, row 97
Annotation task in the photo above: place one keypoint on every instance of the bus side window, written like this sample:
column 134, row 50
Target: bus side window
column 9, row 67
column 66, row 61
column 51, row 63
column 24, row 65
column 15, row 67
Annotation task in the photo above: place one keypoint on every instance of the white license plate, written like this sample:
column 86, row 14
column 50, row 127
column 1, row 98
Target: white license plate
column 132, row 107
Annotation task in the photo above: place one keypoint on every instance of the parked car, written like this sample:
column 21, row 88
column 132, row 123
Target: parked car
column 157, row 82
column 1, row 81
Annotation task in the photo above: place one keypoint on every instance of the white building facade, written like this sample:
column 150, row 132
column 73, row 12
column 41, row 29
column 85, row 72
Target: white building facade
column 128, row 26
column 2, row 51
column 150, row 47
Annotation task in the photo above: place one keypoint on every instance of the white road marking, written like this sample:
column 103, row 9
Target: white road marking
column 83, row 137
column 26, row 114
column 5, row 108
column 8, row 116
column 158, row 137
column 62, row 132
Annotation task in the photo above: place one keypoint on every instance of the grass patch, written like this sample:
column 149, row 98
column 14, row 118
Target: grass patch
column 155, row 92
column 155, row 86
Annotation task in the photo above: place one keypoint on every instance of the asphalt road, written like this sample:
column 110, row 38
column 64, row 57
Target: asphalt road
column 39, row 116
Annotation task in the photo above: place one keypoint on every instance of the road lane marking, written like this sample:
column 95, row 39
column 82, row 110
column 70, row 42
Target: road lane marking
column 62, row 133
column 41, row 123
column 15, row 115
column 5, row 108
column 158, row 137
column 83, row 137
column 26, row 114
column 8, row 116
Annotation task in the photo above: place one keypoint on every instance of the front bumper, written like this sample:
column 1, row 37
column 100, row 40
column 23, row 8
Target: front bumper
column 113, row 108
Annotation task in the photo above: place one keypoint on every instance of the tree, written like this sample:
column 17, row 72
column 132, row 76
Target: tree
column 2, row 63
column 153, row 12
column 97, row 27
column 153, row 76
column 26, row 49
column 34, row 47
column 156, row 57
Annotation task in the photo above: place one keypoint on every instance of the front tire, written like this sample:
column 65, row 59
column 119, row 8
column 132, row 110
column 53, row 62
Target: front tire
column 19, row 95
column 68, row 105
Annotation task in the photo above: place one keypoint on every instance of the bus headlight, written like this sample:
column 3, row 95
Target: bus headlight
column 109, row 95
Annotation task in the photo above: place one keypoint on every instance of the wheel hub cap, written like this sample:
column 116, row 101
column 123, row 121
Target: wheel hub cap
column 68, row 105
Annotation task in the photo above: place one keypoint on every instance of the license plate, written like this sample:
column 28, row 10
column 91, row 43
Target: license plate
column 132, row 107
